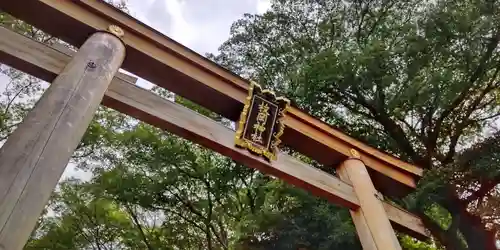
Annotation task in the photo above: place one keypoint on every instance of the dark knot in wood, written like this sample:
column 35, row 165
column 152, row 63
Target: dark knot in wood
column 91, row 65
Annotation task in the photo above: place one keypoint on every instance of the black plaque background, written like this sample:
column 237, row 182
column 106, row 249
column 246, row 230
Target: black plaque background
column 252, row 119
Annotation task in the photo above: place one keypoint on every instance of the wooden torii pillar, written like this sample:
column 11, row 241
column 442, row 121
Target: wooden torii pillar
column 36, row 154
column 370, row 219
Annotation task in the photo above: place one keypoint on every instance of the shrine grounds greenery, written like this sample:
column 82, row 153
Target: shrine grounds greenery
column 418, row 79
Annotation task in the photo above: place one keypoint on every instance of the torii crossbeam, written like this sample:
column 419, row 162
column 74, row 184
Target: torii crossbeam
column 168, row 64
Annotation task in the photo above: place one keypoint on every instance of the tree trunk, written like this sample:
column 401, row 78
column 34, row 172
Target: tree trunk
column 447, row 239
column 477, row 236
column 474, row 231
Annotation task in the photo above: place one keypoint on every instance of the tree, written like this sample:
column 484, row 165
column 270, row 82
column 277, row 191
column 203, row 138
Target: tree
column 418, row 79
column 82, row 221
column 162, row 192
column 343, row 61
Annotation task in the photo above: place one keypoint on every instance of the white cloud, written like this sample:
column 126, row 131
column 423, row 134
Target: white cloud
column 72, row 171
column 200, row 25
column 263, row 6
column 181, row 30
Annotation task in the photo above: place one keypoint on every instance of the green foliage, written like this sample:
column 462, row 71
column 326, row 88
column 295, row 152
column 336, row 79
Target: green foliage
column 82, row 221
column 419, row 79
column 409, row 243
column 159, row 190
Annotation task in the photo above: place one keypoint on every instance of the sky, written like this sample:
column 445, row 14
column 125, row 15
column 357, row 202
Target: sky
column 201, row 25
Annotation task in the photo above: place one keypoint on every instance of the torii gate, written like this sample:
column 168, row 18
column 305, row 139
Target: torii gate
column 35, row 155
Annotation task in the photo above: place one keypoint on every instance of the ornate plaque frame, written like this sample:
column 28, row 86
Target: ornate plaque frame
column 277, row 106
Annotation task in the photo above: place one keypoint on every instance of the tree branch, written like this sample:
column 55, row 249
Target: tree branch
column 483, row 190
column 478, row 73
column 138, row 225
column 392, row 128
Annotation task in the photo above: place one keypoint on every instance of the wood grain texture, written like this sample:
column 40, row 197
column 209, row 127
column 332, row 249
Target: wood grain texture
column 370, row 219
column 358, row 218
column 37, row 152
column 175, row 67
column 46, row 62
column 184, row 122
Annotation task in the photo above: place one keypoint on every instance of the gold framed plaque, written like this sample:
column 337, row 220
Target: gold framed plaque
column 261, row 122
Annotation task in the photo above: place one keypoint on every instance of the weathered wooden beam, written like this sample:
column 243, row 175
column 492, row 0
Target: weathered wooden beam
column 175, row 67
column 162, row 113
column 35, row 155
column 46, row 63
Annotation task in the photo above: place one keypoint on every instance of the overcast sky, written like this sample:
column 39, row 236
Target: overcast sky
column 201, row 25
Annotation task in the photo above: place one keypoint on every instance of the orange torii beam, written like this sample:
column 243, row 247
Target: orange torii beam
column 170, row 65
column 47, row 62
column 184, row 72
